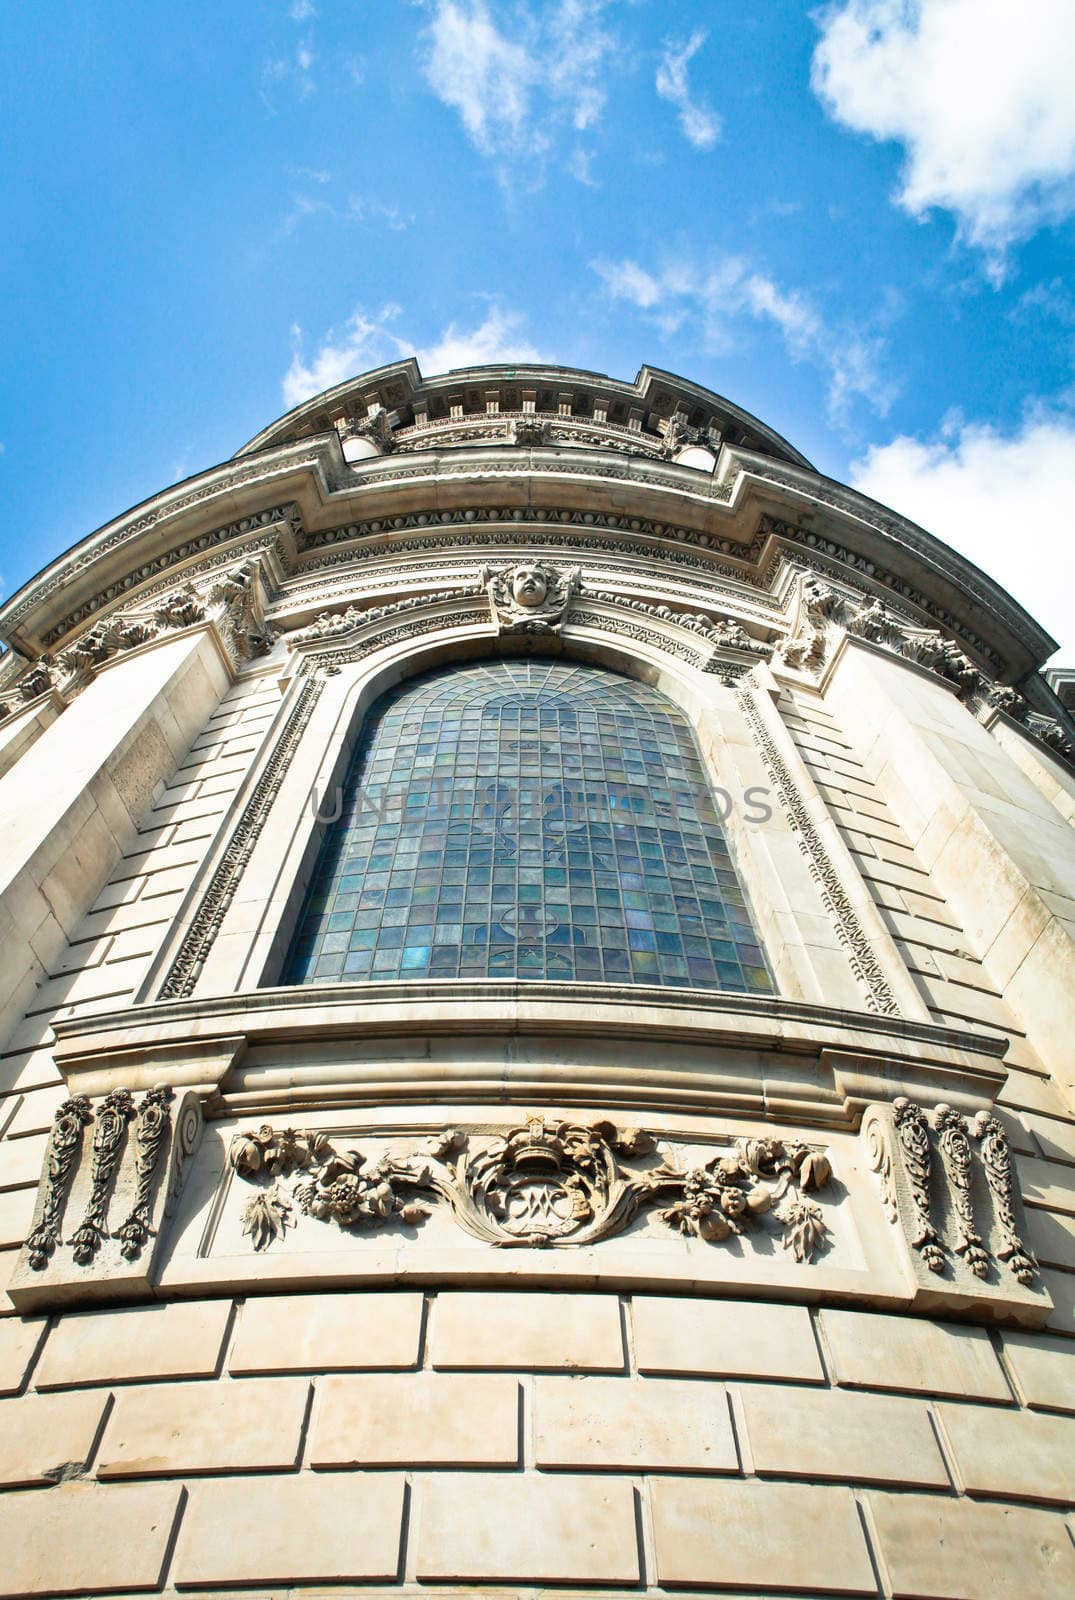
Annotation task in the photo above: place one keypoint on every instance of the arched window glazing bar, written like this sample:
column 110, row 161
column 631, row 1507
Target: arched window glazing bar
column 528, row 819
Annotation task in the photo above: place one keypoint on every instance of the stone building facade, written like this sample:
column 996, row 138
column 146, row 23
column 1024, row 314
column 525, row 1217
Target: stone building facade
column 536, row 1023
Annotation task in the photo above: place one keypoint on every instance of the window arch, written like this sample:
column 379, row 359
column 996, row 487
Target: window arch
column 527, row 819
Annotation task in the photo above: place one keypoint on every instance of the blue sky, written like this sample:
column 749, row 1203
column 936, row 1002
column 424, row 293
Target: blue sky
column 856, row 221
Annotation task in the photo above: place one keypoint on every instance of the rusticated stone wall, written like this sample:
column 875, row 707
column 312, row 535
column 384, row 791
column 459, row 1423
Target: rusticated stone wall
column 468, row 1437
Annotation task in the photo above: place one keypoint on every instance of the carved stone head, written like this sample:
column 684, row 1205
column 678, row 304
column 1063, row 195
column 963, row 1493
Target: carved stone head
column 529, row 586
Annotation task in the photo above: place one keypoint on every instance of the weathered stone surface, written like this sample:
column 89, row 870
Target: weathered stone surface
column 526, row 1331
column 718, row 1533
column 420, row 1419
column 85, row 1539
column 933, row 1545
column 47, row 1437
column 166, row 1428
column 291, row 1528
column 726, row 1338
column 19, row 1339
column 182, row 1339
column 872, row 1351
column 511, row 1528
column 1013, row 1454
column 326, row 1332
column 1044, row 1369
column 653, row 1425
column 821, row 1433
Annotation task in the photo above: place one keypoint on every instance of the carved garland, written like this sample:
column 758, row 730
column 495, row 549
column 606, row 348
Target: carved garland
column 108, row 1135
column 150, row 1137
column 956, row 1154
column 997, row 1160
column 864, row 962
column 64, row 1141
column 539, row 1185
column 912, row 1131
column 205, row 925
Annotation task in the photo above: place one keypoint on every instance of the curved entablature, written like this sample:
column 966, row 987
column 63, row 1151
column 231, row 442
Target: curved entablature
column 679, row 507
column 657, row 414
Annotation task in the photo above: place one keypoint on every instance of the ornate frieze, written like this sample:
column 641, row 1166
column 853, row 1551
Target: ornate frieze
column 469, row 520
column 540, row 1184
column 957, row 1213
column 244, row 528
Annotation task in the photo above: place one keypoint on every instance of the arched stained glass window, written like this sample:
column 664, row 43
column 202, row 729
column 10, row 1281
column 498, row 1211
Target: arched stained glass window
column 528, row 819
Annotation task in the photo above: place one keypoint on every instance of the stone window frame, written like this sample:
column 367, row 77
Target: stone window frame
column 247, row 939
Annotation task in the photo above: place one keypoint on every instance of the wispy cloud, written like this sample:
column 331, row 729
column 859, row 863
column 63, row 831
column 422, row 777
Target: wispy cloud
column 974, row 484
column 288, row 76
column 517, row 75
column 728, row 289
column 700, row 125
column 369, row 340
column 302, row 10
column 980, row 96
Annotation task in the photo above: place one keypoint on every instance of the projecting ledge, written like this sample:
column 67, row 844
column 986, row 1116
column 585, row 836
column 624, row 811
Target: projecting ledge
column 599, row 1045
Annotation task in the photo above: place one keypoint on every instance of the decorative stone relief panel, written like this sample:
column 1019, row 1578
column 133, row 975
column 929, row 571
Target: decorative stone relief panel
column 113, row 1172
column 539, row 1184
column 950, row 1190
column 139, row 1198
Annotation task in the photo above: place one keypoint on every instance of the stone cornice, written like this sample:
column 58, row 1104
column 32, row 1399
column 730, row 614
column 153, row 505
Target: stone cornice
column 735, row 525
column 655, row 395
column 826, row 1064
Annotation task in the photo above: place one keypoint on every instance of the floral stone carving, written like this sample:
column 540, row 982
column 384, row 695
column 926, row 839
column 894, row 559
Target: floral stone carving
column 541, row 1184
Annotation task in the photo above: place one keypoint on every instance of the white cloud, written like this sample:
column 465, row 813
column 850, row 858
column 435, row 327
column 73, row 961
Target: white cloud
column 980, row 93
column 700, row 125
column 512, row 87
column 367, row 341
column 302, row 10
column 369, row 210
column 852, row 358
column 498, row 338
column 1002, row 499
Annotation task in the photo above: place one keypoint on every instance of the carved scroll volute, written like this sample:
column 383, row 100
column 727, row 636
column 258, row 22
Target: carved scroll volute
column 60, row 1160
column 1000, row 1175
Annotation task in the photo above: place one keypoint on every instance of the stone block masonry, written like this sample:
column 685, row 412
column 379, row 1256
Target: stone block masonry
column 594, row 1453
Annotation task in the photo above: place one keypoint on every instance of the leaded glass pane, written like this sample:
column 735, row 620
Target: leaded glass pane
column 528, row 819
